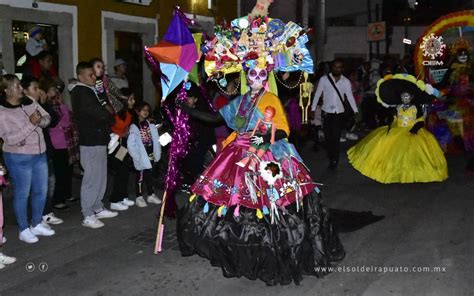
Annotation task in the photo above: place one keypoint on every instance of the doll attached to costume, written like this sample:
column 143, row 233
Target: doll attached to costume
column 404, row 151
column 236, row 216
column 263, row 128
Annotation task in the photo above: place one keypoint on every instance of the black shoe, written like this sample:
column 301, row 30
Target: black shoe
column 72, row 199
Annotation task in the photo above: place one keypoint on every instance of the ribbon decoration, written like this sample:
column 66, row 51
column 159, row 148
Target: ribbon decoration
column 179, row 148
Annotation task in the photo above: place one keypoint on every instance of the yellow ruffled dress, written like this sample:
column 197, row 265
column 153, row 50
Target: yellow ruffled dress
column 398, row 156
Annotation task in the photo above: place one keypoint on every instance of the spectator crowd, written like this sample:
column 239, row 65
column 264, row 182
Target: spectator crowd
column 111, row 137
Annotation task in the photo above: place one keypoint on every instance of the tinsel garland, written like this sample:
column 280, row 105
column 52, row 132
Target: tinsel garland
column 179, row 148
column 179, row 145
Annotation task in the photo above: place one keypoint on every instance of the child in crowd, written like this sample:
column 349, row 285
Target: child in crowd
column 42, row 68
column 4, row 259
column 118, row 160
column 105, row 88
column 145, row 150
column 36, row 42
column 64, row 147
column 93, row 122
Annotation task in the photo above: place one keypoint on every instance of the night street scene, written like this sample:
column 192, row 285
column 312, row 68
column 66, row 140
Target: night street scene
column 236, row 147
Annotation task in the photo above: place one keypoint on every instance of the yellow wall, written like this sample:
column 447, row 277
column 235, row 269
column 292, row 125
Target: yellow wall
column 89, row 21
column 225, row 9
column 89, row 17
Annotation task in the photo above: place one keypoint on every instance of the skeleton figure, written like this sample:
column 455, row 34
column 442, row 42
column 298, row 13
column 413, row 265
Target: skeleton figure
column 306, row 88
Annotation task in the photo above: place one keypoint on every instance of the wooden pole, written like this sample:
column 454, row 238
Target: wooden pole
column 160, row 229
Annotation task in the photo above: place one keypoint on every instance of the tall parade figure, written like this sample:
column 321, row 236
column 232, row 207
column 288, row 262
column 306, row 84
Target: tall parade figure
column 404, row 151
column 255, row 211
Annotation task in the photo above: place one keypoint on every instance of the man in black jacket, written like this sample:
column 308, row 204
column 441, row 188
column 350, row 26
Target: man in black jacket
column 94, row 122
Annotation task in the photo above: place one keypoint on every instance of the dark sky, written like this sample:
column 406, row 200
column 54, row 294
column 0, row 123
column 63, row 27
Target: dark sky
column 395, row 11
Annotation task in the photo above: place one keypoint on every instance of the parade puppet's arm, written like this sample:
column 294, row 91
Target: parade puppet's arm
column 416, row 127
column 208, row 117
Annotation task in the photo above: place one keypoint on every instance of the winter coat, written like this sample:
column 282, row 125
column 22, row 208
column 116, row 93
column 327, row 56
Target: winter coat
column 137, row 150
column 57, row 132
column 92, row 119
column 19, row 134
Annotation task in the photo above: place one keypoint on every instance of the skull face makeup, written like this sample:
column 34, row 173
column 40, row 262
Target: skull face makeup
column 462, row 56
column 256, row 78
column 406, row 98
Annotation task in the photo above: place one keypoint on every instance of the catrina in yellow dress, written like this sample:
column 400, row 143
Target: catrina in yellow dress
column 402, row 153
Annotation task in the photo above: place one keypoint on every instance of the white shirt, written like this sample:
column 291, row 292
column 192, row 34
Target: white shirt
column 34, row 47
column 331, row 101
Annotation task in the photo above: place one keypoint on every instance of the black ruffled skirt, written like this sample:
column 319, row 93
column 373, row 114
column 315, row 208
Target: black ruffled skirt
column 298, row 244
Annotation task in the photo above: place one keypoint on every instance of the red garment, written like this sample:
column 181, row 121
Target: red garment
column 36, row 70
column 121, row 126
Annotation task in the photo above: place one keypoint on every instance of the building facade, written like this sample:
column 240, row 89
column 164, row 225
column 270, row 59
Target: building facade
column 96, row 28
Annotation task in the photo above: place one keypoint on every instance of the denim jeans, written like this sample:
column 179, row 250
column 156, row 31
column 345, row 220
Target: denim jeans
column 29, row 174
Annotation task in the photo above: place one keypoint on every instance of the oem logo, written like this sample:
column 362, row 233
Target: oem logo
column 433, row 47
column 433, row 63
